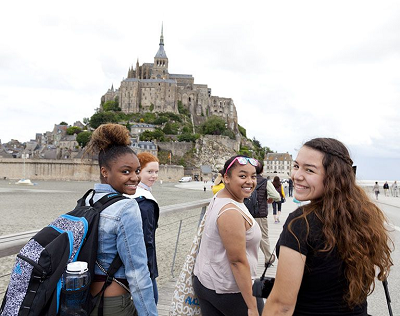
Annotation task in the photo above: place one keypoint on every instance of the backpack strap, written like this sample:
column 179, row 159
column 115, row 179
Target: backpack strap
column 101, row 204
column 82, row 200
column 261, row 183
column 114, row 266
column 107, row 200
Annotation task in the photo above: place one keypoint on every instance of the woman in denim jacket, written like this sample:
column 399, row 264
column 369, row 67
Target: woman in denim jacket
column 120, row 227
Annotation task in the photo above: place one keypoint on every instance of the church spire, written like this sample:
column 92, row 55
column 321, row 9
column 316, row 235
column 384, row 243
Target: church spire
column 162, row 35
column 161, row 52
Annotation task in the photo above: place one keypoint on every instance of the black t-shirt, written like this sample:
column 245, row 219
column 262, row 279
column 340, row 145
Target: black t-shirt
column 323, row 284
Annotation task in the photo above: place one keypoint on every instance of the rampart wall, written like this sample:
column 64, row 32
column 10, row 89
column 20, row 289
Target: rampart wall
column 74, row 170
column 177, row 148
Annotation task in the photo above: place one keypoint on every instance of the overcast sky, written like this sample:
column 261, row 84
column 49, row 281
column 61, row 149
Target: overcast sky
column 295, row 69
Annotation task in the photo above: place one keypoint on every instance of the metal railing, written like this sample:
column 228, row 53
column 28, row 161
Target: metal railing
column 183, row 221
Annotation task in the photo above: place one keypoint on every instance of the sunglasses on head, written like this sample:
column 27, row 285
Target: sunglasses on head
column 243, row 161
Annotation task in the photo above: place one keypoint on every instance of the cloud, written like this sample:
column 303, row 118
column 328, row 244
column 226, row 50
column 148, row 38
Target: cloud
column 295, row 70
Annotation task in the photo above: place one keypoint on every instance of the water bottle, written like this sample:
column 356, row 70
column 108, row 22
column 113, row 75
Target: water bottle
column 75, row 288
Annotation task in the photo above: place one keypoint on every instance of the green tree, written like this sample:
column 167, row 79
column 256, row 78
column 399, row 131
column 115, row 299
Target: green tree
column 63, row 123
column 160, row 120
column 169, row 129
column 242, row 130
column 149, row 118
column 151, row 107
column 102, row 118
column 182, row 109
column 149, row 135
column 111, row 105
column 229, row 133
column 73, row 130
column 83, row 138
column 213, row 126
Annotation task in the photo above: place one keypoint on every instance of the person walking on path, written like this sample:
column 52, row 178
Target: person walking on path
column 149, row 210
column 277, row 205
column 265, row 193
column 227, row 259
column 375, row 189
column 120, row 226
column 395, row 189
column 290, row 187
column 322, row 267
column 386, row 188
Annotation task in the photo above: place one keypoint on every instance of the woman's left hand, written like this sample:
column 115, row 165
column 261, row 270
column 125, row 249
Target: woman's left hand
column 252, row 312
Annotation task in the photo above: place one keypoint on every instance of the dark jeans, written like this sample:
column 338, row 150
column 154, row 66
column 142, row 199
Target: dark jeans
column 155, row 290
column 274, row 204
column 213, row 304
column 290, row 191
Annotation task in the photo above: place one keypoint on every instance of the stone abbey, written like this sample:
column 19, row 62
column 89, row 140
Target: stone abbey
column 150, row 87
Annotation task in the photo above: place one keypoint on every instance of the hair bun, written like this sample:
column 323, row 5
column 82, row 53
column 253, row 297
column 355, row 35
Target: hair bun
column 109, row 135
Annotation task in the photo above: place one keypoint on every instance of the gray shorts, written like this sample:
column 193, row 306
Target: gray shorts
column 117, row 306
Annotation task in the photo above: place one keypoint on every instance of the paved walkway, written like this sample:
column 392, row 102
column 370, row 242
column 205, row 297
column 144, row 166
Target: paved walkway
column 166, row 291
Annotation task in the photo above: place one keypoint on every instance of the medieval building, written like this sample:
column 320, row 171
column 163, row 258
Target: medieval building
column 150, row 87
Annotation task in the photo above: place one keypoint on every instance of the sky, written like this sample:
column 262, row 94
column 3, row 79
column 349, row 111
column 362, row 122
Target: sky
column 295, row 70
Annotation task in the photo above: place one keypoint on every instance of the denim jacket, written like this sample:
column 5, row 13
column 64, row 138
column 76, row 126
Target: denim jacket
column 120, row 230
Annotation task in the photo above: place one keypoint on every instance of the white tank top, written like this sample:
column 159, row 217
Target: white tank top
column 212, row 265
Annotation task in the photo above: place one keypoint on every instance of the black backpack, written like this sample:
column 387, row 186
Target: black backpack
column 35, row 283
column 252, row 201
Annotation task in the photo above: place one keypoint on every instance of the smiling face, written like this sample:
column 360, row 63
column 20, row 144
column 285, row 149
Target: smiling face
column 241, row 181
column 308, row 174
column 149, row 173
column 123, row 174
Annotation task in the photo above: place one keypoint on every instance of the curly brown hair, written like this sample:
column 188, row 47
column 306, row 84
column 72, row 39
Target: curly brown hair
column 109, row 141
column 351, row 222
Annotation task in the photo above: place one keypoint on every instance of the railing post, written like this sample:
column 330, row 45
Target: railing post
column 203, row 211
column 176, row 249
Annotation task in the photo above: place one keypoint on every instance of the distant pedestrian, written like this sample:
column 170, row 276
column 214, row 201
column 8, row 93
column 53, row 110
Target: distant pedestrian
column 204, row 189
column 265, row 193
column 375, row 189
column 277, row 205
column 290, row 187
column 218, row 182
column 386, row 188
column 395, row 189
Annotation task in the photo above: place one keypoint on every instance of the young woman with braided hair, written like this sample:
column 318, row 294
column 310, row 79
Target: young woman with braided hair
column 331, row 249
column 120, row 226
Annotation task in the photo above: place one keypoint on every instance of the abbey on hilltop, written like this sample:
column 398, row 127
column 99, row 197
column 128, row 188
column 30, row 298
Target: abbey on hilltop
column 150, row 87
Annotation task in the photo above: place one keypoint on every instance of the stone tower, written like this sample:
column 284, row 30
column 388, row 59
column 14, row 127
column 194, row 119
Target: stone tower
column 160, row 67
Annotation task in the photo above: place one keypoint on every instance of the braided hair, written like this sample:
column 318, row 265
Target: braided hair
column 352, row 223
column 109, row 141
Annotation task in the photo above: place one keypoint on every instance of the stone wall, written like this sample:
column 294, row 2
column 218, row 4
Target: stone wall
column 74, row 170
column 177, row 148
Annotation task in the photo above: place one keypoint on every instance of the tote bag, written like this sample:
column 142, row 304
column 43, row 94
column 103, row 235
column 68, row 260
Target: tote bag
column 185, row 301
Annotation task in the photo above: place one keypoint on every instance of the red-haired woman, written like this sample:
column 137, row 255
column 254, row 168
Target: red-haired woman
column 150, row 211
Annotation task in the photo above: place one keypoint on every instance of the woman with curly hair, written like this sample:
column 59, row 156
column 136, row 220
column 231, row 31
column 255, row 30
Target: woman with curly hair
column 120, row 227
column 330, row 249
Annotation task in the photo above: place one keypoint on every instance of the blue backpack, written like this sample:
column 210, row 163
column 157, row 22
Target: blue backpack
column 35, row 283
